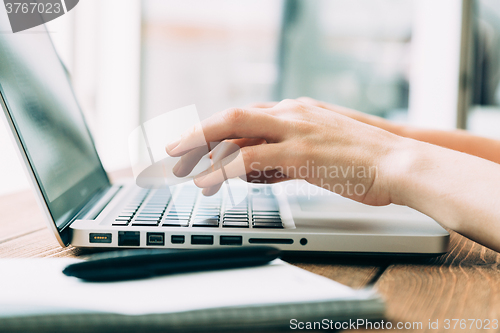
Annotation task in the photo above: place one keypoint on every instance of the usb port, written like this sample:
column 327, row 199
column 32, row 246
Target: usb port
column 99, row 238
column 129, row 238
column 202, row 240
column 155, row 238
column 177, row 239
column 231, row 240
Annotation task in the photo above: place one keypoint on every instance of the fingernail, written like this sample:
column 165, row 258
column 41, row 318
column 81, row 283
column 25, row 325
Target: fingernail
column 172, row 145
column 175, row 169
column 207, row 192
column 200, row 177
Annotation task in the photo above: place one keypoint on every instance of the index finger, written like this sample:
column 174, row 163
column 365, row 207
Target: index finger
column 230, row 124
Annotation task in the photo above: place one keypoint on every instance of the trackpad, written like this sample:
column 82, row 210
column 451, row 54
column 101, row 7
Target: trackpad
column 336, row 204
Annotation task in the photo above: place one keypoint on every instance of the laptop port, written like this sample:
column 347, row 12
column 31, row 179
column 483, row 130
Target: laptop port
column 231, row 240
column 155, row 238
column 202, row 240
column 177, row 239
column 270, row 240
column 99, row 238
column 129, row 238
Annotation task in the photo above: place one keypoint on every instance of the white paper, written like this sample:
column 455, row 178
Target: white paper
column 41, row 283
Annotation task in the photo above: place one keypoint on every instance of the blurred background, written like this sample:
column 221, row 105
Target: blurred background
column 423, row 62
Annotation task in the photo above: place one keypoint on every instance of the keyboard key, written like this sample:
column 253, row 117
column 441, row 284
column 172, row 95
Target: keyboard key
column 178, row 216
column 175, row 223
column 145, row 223
column 210, row 208
column 180, row 211
column 243, row 213
column 271, row 225
column 209, row 217
column 265, row 219
column 268, row 217
column 236, row 215
column 235, row 218
column 235, row 224
column 206, row 216
column 126, row 214
column 154, row 207
column 261, row 213
column 206, row 223
column 147, row 218
column 152, row 211
column 120, row 222
column 181, row 207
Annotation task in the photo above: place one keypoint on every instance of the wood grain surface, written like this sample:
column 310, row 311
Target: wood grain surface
column 463, row 284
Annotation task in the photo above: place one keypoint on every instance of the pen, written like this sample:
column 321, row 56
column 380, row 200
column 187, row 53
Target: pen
column 139, row 264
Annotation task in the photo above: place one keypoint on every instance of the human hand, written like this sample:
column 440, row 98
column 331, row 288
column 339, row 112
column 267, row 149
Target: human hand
column 356, row 115
column 293, row 140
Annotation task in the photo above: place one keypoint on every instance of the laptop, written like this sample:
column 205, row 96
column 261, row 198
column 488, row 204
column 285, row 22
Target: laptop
column 84, row 209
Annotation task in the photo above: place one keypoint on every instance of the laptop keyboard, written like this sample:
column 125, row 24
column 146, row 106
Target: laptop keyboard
column 189, row 208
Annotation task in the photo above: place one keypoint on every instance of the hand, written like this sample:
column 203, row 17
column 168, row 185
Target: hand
column 294, row 140
column 356, row 115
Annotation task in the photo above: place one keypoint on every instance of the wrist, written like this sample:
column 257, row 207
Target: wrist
column 398, row 167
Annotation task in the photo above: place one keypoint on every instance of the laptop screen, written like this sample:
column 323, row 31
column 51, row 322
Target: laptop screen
column 48, row 121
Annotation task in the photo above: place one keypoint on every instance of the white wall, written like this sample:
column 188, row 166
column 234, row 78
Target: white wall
column 435, row 63
column 99, row 42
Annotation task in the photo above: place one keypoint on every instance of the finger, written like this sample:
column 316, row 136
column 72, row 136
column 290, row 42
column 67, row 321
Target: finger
column 219, row 150
column 222, row 151
column 247, row 142
column 209, row 191
column 229, row 124
column 188, row 161
column 228, row 147
column 248, row 159
column 262, row 105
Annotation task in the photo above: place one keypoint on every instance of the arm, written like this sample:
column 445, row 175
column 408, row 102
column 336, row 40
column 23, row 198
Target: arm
column 457, row 140
column 458, row 190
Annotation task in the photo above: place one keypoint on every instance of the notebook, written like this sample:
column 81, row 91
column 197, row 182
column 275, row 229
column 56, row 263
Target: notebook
column 36, row 296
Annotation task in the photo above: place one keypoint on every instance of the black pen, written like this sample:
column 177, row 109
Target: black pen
column 139, row 264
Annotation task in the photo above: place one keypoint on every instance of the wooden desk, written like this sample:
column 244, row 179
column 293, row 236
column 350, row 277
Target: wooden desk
column 463, row 284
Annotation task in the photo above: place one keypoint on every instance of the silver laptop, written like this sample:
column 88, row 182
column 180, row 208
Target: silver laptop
column 84, row 209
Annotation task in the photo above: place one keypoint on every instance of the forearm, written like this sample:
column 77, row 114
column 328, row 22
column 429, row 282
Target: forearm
column 457, row 140
column 458, row 190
